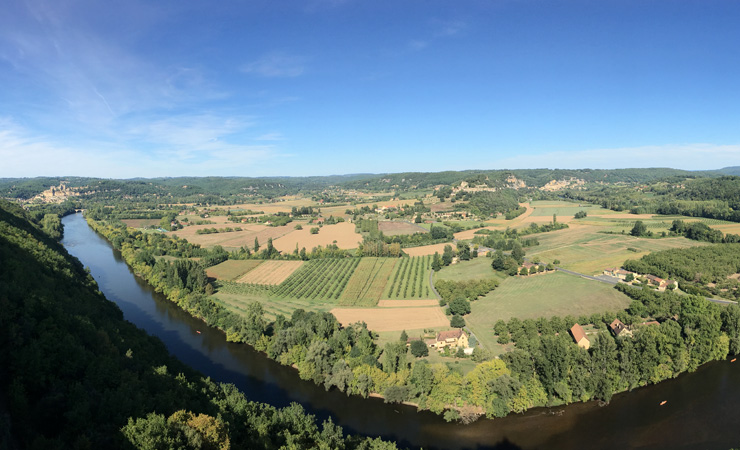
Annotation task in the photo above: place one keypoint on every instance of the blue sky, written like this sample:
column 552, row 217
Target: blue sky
column 127, row 88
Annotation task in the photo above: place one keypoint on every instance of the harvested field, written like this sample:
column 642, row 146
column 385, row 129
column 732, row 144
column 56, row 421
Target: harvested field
column 232, row 269
column 235, row 239
column 393, row 319
column 406, row 303
column 140, row 223
column 426, row 249
column 343, row 233
column 583, row 249
column 271, row 272
column 390, row 228
column 367, row 283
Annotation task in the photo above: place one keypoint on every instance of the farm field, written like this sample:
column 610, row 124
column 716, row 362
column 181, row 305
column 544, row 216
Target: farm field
column 395, row 228
column 410, row 279
column 237, row 302
column 343, row 234
column 318, row 279
column 564, row 210
column 583, row 249
column 367, row 283
column 475, row 269
column 546, row 295
column 393, row 319
column 426, row 249
column 140, row 223
column 232, row 269
column 271, row 272
column 235, row 239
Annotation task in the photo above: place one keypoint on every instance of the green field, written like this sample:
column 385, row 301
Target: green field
column 237, row 302
column 583, row 249
column 563, row 209
column 552, row 294
column 410, row 279
column 368, row 281
column 475, row 269
column 323, row 279
column 232, row 269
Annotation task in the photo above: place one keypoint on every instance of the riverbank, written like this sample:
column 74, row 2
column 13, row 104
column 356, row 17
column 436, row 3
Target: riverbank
column 700, row 413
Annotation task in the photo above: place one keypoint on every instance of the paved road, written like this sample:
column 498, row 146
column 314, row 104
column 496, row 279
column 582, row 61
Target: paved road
column 611, row 280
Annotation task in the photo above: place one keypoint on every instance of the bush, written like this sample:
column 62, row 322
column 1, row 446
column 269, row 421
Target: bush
column 457, row 321
column 419, row 349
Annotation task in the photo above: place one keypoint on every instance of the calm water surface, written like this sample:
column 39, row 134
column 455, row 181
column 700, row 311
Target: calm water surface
column 702, row 410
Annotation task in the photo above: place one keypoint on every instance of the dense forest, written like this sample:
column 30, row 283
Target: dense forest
column 74, row 374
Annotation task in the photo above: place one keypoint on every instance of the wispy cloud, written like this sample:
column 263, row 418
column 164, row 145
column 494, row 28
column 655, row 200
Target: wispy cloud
column 695, row 156
column 446, row 28
column 195, row 145
column 276, row 65
column 417, row 45
column 270, row 137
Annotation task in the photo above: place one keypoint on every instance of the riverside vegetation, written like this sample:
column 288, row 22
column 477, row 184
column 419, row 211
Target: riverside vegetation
column 544, row 368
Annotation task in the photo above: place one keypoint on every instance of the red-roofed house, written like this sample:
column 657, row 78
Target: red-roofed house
column 451, row 338
column 580, row 336
column 619, row 328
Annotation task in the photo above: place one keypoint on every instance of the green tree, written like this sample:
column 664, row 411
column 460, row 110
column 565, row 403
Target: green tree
column 436, row 262
column 256, row 245
column 460, row 306
column 639, row 229
column 447, row 255
column 517, row 252
column 419, row 348
column 457, row 321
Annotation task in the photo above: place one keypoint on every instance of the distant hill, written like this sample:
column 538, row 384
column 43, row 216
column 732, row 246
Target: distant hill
column 733, row 170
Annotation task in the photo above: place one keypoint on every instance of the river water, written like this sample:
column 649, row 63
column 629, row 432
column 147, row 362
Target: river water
column 701, row 410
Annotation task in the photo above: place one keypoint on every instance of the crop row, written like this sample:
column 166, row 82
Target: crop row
column 318, row 279
column 409, row 279
column 369, row 280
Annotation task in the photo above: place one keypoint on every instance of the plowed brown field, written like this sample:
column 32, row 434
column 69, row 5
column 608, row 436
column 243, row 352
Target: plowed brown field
column 393, row 319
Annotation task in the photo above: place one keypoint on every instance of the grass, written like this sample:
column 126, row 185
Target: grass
column 232, row 269
column 367, row 283
column 238, row 303
column 475, row 269
column 553, row 294
column 562, row 209
column 583, row 249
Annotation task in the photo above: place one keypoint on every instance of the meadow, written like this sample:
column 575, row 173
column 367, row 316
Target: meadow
column 543, row 295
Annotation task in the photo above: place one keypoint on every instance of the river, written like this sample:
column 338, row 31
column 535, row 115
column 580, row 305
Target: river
column 701, row 410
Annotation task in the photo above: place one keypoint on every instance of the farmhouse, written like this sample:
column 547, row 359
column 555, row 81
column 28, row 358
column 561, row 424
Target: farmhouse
column 618, row 273
column 451, row 338
column 619, row 329
column 580, row 336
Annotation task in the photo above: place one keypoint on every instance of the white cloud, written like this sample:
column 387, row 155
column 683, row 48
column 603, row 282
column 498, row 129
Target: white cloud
column 195, row 145
column 696, row 156
column 277, row 64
